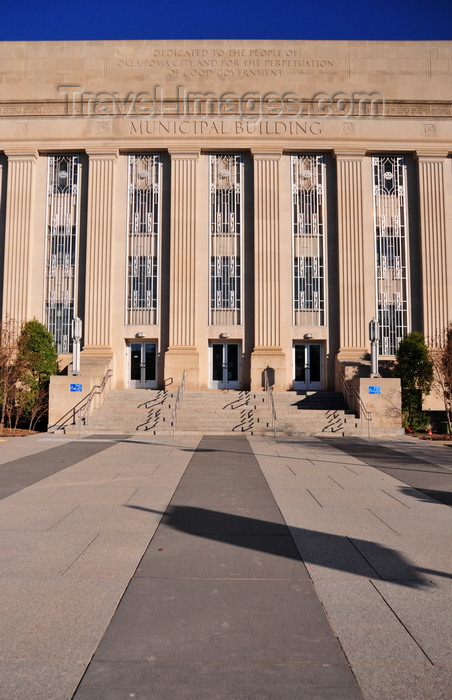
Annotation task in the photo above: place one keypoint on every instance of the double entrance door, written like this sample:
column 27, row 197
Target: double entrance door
column 142, row 365
column 308, row 365
column 225, row 366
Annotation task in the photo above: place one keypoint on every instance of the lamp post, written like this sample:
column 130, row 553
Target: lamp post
column 374, row 335
column 76, row 327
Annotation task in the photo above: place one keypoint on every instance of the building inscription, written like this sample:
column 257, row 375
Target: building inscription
column 217, row 127
column 227, row 63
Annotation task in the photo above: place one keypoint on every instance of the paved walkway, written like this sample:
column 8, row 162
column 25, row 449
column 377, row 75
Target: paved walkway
column 224, row 568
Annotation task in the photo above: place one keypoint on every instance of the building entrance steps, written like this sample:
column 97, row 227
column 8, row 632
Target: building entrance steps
column 224, row 412
column 221, row 605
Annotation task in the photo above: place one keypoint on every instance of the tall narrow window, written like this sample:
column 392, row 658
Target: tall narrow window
column 62, row 247
column 308, row 234
column 226, row 175
column 143, row 240
column 390, row 224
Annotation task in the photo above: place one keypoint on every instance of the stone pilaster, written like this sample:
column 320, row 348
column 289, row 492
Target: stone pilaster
column 182, row 351
column 352, row 318
column 433, row 244
column 98, row 291
column 267, row 312
column 18, row 234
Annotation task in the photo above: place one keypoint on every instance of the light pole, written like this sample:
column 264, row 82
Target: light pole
column 76, row 338
column 374, row 335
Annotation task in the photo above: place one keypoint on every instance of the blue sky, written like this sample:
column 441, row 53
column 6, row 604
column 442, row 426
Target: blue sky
column 231, row 19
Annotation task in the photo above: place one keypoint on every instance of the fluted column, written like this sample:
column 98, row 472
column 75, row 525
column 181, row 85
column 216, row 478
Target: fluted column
column 182, row 352
column 18, row 234
column 352, row 318
column 98, row 291
column 267, row 331
column 433, row 243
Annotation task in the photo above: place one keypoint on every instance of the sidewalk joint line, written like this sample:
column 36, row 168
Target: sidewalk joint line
column 403, row 624
column 382, row 521
column 315, row 499
column 79, row 555
column 350, row 470
column 362, row 555
column 61, row 519
column 336, row 482
column 133, row 494
column 396, row 499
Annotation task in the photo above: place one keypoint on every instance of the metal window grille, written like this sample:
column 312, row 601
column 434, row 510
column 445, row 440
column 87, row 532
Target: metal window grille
column 226, row 176
column 143, row 242
column 390, row 225
column 63, row 175
column 308, row 235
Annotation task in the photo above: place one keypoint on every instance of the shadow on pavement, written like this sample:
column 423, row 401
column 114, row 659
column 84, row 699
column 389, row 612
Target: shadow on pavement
column 348, row 554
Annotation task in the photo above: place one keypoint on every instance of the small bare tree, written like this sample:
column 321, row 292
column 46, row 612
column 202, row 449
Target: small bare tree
column 9, row 370
column 441, row 355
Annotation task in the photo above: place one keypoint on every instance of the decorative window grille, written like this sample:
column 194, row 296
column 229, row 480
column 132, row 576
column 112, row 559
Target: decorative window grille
column 62, row 247
column 390, row 223
column 226, row 176
column 308, row 234
column 143, row 239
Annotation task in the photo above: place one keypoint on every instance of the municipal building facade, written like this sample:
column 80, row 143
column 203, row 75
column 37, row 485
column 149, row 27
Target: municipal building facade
column 223, row 207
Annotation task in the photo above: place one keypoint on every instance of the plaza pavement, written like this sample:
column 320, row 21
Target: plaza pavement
column 225, row 568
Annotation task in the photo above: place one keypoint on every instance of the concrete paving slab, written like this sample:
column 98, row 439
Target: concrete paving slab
column 323, row 551
column 224, row 622
column 338, row 497
column 109, row 555
column 301, row 510
column 404, row 682
column 178, row 555
column 55, row 618
column 15, row 448
column 123, row 519
column 369, row 631
column 27, row 470
column 427, row 615
column 32, row 517
column 238, row 521
column 119, row 680
column 405, row 465
column 39, row 553
column 37, row 679
column 405, row 521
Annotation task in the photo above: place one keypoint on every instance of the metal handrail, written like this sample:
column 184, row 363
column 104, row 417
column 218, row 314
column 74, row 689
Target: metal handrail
column 179, row 396
column 82, row 408
column 354, row 400
column 269, row 390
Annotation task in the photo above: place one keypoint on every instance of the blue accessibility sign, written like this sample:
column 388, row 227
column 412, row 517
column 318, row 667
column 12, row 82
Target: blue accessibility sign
column 375, row 390
column 75, row 387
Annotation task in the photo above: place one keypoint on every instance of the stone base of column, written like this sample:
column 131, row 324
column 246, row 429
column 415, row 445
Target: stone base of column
column 95, row 360
column 272, row 359
column 352, row 362
column 178, row 359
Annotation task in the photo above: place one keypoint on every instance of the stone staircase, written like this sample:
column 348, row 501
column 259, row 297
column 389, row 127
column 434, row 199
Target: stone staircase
column 314, row 413
column 131, row 411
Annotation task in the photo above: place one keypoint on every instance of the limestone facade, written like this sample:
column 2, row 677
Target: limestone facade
column 226, row 207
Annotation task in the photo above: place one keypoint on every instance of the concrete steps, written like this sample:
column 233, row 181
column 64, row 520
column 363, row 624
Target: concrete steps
column 132, row 411
column 299, row 413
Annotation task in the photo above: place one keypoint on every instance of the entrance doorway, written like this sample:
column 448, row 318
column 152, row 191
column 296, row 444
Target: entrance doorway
column 308, row 365
column 142, row 365
column 225, row 366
